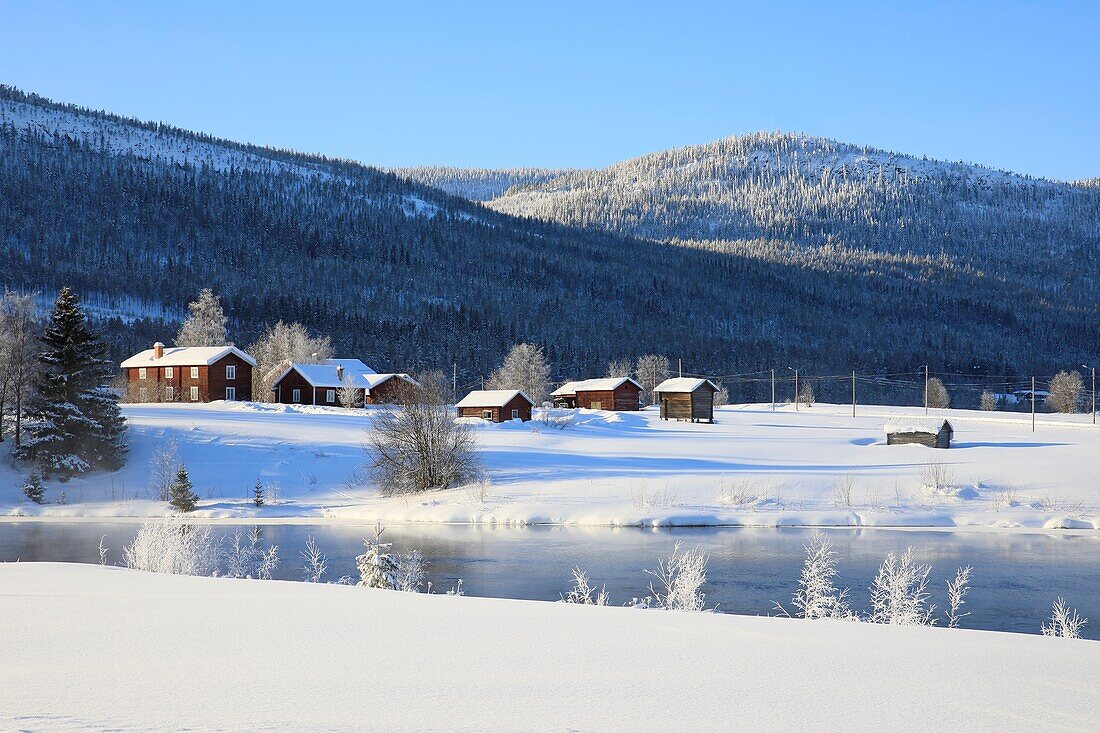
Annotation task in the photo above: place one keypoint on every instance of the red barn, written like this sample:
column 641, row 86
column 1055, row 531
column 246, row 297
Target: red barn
column 612, row 393
column 189, row 374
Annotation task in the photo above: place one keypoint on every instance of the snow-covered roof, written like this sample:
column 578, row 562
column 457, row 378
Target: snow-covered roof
column 491, row 398
column 916, row 426
column 373, row 380
column 569, row 388
column 184, row 356
column 683, row 384
column 593, row 385
column 325, row 374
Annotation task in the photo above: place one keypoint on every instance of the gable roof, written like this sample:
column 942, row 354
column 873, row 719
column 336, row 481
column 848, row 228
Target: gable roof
column 491, row 398
column 184, row 356
column 373, row 380
column 605, row 384
column 683, row 384
column 324, row 374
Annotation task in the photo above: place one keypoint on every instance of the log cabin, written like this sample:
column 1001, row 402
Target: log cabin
column 611, row 393
column 686, row 398
column 933, row 435
column 189, row 374
column 496, row 405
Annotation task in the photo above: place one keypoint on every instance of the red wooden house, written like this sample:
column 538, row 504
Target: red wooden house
column 189, row 374
column 496, row 405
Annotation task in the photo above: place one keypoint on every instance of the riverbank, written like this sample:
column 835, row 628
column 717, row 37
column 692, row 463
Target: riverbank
column 210, row 653
column 754, row 467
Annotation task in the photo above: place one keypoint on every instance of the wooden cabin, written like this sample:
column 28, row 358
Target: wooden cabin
column 320, row 383
column 496, row 405
column 611, row 393
column 685, row 398
column 933, row 435
column 387, row 389
column 189, row 374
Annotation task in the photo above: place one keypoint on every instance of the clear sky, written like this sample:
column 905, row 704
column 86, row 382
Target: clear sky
column 1014, row 85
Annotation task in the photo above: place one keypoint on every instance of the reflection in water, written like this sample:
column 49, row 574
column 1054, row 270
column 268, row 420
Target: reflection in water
column 1015, row 578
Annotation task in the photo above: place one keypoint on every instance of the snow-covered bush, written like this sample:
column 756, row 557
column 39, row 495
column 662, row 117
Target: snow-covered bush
column 956, row 595
column 585, row 594
column 679, row 580
column 243, row 558
column 171, row 546
column 806, row 395
column 1064, row 621
column 1064, row 391
column 316, row 562
column 988, row 401
column 411, row 571
column 378, row 568
column 898, row 592
column 817, row 595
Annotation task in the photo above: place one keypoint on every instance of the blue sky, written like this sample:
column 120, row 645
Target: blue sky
column 1011, row 84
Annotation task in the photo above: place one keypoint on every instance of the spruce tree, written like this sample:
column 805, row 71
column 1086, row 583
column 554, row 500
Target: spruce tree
column 73, row 421
column 205, row 323
column 33, row 489
column 258, row 493
column 183, row 496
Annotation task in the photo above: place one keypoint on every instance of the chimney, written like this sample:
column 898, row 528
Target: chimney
column 339, row 372
column 313, row 356
column 158, row 350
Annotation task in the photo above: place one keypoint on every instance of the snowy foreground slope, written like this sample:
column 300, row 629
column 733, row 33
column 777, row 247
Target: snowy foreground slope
column 94, row 648
column 818, row 466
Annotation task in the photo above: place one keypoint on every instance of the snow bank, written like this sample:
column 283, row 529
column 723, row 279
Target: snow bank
column 754, row 467
column 95, row 648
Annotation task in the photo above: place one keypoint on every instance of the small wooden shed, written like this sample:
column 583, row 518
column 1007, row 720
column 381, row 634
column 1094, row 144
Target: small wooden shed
column 621, row 394
column 686, row 398
column 496, row 405
column 933, row 434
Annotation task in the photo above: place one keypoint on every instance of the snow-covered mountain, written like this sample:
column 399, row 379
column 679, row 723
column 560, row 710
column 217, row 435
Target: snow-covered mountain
column 754, row 251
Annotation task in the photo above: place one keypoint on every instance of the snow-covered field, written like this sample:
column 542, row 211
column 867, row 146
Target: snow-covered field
column 817, row 466
column 99, row 648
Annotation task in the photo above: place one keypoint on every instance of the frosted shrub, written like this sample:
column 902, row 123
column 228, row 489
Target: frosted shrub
column 1064, row 621
column 585, row 594
column 377, row 567
column 173, row 547
column 411, row 571
column 679, row 580
column 898, row 592
column 988, row 401
column 316, row 562
column 938, row 396
column 956, row 594
column 243, row 558
column 817, row 595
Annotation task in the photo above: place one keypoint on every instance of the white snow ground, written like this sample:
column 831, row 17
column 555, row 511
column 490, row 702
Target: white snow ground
column 99, row 648
column 753, row 467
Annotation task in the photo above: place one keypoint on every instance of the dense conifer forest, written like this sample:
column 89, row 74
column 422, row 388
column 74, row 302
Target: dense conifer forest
column 820, row 271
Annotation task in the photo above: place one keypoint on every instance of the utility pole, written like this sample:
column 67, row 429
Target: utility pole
column 796, row 390
column 1033, row 404
column 454, row 380
column 853, row 393
column 1094, row 395
column 680, row 362
column 925, row 389
column 773, row 390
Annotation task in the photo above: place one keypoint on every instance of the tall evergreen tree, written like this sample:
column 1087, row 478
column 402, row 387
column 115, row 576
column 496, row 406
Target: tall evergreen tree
column 182, row 493
column 205, row 323
column 73, row 421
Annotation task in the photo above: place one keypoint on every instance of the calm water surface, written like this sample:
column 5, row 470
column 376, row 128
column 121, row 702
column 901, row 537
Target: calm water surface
column 1015, row 576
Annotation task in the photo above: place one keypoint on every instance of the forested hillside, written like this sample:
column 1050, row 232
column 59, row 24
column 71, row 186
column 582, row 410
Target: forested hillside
column 137, row 217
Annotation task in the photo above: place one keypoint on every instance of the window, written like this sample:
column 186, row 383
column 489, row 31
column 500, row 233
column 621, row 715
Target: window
column 230, row 393
column 230, row 371
column 169, row 372
column 169, row 393
column 141, row 373
column 487, row 414
column 597, row 405
column 296, row 395
column 515, row 414
column 194, row 394
column 330, row 395
column 143, row 395
column 194, row 372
